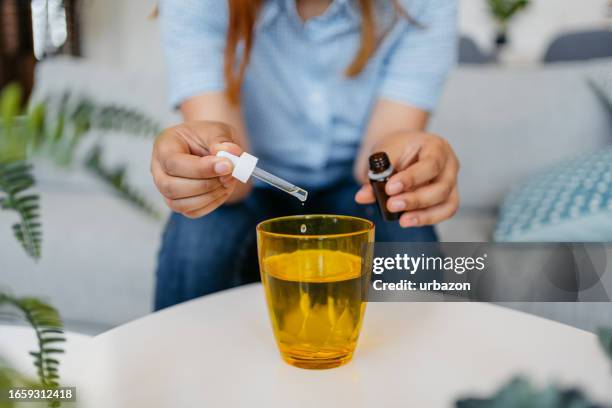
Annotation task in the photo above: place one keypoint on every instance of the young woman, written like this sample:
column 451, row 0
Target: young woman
column 312, row 88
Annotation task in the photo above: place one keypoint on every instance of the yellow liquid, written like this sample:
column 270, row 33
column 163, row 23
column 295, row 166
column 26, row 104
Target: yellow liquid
column 316, row 305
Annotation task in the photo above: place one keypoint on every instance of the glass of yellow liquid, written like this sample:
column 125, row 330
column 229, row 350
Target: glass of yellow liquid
column 315, row 271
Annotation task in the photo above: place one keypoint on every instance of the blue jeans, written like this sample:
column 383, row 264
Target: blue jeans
column 219, row 251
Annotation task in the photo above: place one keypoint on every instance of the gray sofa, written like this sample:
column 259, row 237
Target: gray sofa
column 99, row 253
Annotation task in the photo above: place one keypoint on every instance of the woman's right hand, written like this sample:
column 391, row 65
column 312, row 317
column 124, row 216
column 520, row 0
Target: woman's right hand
column 186, row 170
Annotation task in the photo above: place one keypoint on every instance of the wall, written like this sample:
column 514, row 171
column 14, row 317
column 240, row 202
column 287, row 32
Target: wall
column 121, row 33
column 118, row 31
column 537, row 26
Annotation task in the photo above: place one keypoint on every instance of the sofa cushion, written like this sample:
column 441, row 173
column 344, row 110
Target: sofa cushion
column 98, row 259
column 507, row 123
column 468, row 225
column 571, row 202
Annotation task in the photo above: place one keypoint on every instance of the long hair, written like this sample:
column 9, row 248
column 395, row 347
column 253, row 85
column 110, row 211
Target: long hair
column 242, row 17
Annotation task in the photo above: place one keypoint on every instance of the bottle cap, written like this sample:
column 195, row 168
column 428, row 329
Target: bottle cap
column 380, row 166
column 379, row 162
column 243, row 165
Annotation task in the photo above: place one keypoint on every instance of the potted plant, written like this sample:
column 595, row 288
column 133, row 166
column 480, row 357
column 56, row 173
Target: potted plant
column 54, row 128
column 503, row 11
column 520, row 392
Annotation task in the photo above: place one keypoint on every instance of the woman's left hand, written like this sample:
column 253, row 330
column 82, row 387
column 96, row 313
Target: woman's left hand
column 424, row 189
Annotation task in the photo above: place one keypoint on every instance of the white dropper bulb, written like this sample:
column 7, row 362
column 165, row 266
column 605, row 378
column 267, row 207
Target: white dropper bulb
column 245, row 166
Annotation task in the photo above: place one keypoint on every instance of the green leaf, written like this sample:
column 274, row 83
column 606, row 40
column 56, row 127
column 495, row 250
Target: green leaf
column 519, row 393
column 36, row 123
column 115, row 178
column 52, row 340
column 48, row 326
column 10, row 103
column 11, row 378
column 605, row 339
column 58, row 130
column 56, row 126
column 504, row 10
column 13, row 140
column 15, row 178
column 52, row 331
column 52, row 350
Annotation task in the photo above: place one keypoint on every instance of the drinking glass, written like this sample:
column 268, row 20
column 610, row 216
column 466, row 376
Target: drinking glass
column 315, row 271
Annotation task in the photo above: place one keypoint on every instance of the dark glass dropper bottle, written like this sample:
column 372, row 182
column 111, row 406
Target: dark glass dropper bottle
column 380, row 172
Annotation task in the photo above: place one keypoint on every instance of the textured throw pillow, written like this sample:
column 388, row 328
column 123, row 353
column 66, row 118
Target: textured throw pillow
column 571, row 202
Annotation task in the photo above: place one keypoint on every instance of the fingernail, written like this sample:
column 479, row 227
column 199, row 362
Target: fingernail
column 396, row 206
column 410, row 222
column 222, row 167
column 394, row 187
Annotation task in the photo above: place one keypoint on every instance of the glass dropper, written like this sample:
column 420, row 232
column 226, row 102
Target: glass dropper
column 245, row 166
column 281, row 184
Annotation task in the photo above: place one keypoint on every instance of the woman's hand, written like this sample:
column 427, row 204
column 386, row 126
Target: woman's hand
column 424, row 189
column 186, row 171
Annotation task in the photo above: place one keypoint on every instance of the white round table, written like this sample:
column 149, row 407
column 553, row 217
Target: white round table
column 219, row 351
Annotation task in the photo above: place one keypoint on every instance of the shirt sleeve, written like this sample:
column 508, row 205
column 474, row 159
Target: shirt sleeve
column 416, row 68
column 193, row 38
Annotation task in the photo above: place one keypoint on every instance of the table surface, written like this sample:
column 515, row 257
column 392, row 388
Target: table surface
column 219, row 351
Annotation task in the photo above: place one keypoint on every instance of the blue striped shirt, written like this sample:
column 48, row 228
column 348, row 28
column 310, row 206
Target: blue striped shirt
column 304, row 117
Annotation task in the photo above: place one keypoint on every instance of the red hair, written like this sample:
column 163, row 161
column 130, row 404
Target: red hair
column 242, row 17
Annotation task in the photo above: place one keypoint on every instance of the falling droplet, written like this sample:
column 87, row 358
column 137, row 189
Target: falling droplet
column 303, row 229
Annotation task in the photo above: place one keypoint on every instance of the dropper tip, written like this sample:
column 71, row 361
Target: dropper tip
column 301, row 194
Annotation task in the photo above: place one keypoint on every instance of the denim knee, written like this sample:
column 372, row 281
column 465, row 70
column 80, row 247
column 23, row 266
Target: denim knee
column 205, row 255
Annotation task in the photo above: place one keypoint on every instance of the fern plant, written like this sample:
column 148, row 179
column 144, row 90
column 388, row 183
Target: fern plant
column 55, row 128
column 605, row 340
column 520, row 392
column 11, row 378
column 15, row 174
column 49, row 329
column 116, row 178
column 503, row 11
column 523, row 394
column 15, row 181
